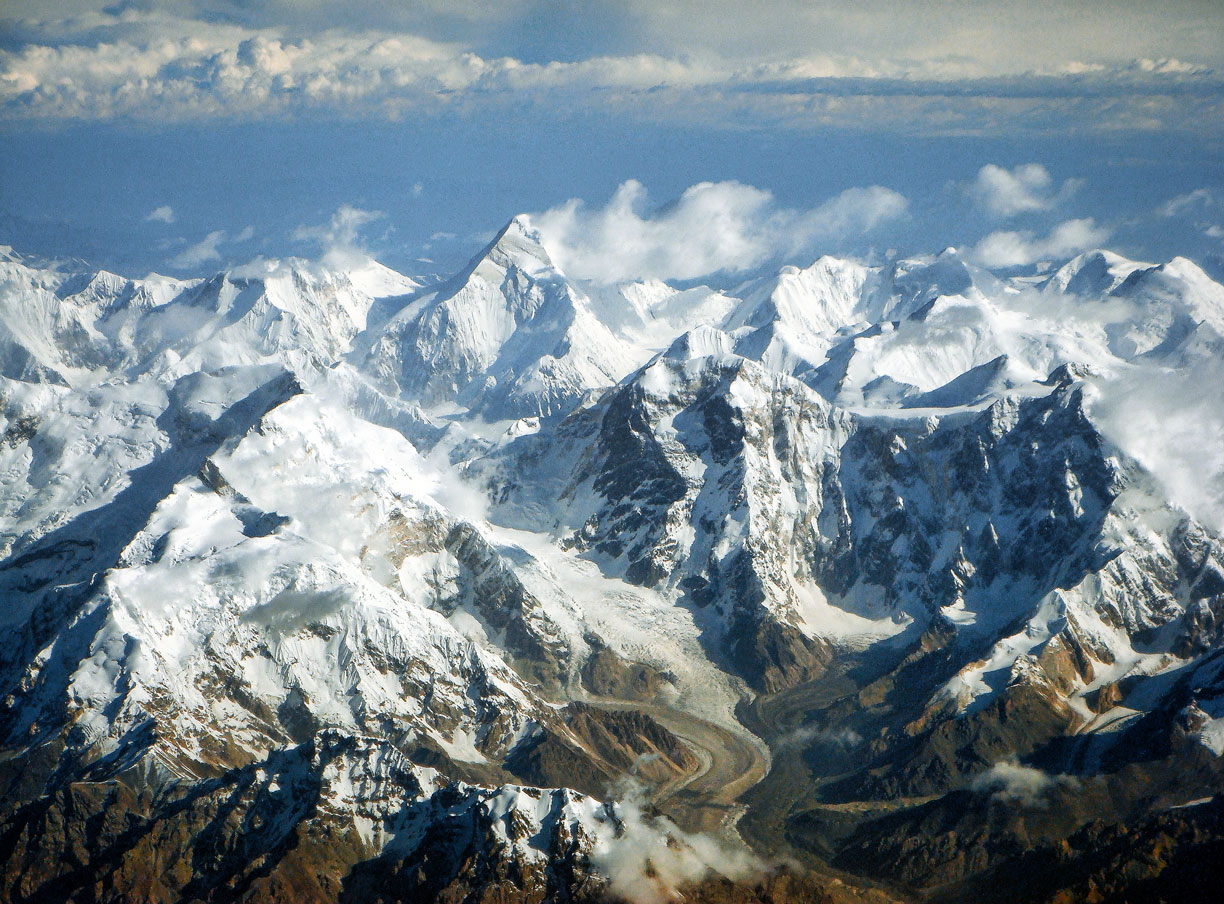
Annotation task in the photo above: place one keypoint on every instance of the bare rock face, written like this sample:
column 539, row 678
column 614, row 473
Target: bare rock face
column 622, row 743
column 607, row 674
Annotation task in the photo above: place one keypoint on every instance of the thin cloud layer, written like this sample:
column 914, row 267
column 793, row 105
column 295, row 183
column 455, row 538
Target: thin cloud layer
column 711, row 227
column 980, row 35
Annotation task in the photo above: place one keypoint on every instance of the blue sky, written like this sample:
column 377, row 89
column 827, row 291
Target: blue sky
column 649, row 139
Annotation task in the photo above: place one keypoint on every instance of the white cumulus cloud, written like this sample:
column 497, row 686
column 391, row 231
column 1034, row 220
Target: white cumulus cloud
column 711, row 227
column 1026, row 188
column 1017, row 249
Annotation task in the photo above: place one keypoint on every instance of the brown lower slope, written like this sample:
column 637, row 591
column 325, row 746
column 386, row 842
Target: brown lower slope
column 1005, row 802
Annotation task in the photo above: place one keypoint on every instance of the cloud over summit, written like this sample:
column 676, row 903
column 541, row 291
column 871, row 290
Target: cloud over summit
column 340, row 237
column 712, row 226
column 1018, row 249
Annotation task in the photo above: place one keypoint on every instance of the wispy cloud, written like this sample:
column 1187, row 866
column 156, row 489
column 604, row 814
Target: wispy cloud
column 1014, row 783
column 1202, row 208
column 712, row 226
column 1172, row 421
column 647, row 860
column 208, row 248
column 203, row 251
column 340, row 237
column 1192, row 202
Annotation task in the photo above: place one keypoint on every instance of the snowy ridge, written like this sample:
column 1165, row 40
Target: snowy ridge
column 285, row 509
column 510, row 337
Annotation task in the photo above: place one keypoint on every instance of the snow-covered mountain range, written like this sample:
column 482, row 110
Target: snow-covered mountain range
column 322, row 583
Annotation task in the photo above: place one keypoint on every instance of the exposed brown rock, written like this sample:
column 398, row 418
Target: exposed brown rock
column 600, row 746
column 606, row 674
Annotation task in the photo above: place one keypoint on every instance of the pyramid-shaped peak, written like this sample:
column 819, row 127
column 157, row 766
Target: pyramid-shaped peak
column 519, row 244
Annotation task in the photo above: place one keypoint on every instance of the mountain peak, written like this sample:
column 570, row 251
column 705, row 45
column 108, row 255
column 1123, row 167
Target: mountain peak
column 1096, row 271
column 1184, row 268
column 520, row 245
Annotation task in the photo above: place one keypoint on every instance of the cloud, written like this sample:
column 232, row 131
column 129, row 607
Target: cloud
column 1203, row 208
column 855, row 210
column 647, row 859
column 1197, row 201
column 163, row 214
column 339, row 238
column 1171, row 421
column 1017, row 249
column 1013, row 783
column 194, row 71
column 203, row 251
column 209, row 248
column 841, row 739
column 1169, row 65
column 979, row 34
column 1024, row 189
column 168, row 63
column 711, row 227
